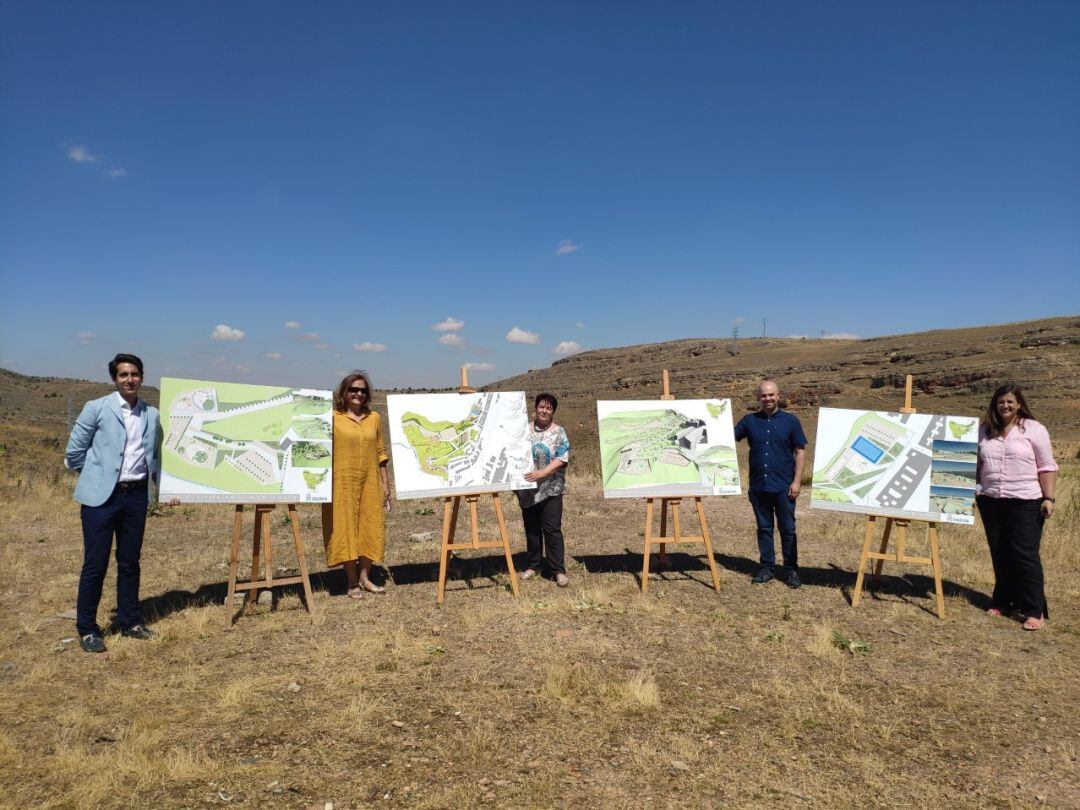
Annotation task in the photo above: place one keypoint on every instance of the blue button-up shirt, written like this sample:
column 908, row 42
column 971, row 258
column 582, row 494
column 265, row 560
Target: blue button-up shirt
column 773, row 441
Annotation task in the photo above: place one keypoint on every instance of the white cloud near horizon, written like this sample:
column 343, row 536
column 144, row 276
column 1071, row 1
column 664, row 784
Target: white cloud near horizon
column 227, row 333
column 518, row 335
column 828, row 336
column 567, row 246
column 321, row 346
column 451, row 324
column 738, row 320
column 480, row 366
column 85, row 338
column 452, row 339
column 273, row 355
column 565, row 348
column 292, row 324
column 579, row 325
column 308, row 336
column 80, row 154
column 368, row 346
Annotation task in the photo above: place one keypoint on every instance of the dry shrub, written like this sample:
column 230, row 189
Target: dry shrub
column 639, row 692
column 567, row 683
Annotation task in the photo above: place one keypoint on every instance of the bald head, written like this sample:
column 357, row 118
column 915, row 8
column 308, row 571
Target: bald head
column 768, row 395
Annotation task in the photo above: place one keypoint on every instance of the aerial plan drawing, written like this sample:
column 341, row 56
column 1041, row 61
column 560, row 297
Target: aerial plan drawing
column 236, row 443
column 919, row 466
column 667, row 448
column 453, row 444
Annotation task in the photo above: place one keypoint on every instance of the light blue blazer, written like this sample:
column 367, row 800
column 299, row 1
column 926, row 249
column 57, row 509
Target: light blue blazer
column 96, row 448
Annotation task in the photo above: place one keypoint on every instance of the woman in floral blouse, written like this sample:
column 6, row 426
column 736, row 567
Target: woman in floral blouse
column 541, row 508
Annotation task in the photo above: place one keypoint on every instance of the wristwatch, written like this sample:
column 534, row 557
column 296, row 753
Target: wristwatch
column 1048, row 498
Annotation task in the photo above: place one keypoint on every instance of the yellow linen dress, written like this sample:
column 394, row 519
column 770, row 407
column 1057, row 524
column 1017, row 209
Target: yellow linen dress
column 354, row 523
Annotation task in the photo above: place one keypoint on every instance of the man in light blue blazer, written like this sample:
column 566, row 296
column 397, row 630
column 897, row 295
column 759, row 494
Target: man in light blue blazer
column 114, row 446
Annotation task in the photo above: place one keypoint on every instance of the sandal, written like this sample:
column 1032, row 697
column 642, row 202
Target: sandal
column 1033, row 623
column 356, row 592
column 994, row 611
column 371, row 587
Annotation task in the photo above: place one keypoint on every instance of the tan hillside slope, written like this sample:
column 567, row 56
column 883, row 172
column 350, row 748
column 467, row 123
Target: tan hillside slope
column 954, row 370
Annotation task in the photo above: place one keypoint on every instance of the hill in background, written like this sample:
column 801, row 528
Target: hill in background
column 954, row 370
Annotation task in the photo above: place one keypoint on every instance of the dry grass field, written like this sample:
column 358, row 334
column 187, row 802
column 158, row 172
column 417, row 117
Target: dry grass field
column 593, row 695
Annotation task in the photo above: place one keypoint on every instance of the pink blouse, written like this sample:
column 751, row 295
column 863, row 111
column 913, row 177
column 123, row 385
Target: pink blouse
column 1009, row 465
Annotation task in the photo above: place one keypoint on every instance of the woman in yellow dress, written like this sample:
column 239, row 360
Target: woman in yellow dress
column 354, row 527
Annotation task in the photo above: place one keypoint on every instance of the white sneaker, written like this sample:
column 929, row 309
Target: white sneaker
column 562, row 580
column 529, row 573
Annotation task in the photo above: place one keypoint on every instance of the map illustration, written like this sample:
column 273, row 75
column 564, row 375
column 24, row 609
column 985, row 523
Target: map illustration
column 919, row 466
column 667, row 448
column 233, row 443
column 454, row 444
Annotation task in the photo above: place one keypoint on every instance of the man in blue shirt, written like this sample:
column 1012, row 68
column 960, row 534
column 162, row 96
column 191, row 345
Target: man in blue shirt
column 777, row 452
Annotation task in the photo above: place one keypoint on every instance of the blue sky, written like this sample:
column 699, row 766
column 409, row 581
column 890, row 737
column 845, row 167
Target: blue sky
column 587, row 174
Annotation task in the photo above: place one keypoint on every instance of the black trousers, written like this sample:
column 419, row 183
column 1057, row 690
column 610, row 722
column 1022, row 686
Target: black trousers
column 543, row 533
column 1014, row 533
column 124, row 515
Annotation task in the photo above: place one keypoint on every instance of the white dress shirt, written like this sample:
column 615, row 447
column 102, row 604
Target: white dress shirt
column 134, row 465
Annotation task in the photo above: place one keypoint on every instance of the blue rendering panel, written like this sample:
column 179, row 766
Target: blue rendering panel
column 868, row 450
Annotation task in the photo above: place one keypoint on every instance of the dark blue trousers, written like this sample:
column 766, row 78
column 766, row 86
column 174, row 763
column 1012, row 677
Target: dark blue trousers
column 123, row 515
column 770, row 509
column 1014, row 534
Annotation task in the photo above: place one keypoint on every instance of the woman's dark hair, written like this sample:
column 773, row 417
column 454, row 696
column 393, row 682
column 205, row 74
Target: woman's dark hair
column 124, row 358
column 548, row 398
column 341, row 395
column 992, row 419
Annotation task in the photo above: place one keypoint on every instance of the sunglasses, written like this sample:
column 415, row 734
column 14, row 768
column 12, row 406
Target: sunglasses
column 357, row 390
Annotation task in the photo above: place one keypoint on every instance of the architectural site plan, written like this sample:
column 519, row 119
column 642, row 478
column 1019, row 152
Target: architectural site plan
column 454, row 444
column 667, row 448
column 918, row 466
column 233, row 443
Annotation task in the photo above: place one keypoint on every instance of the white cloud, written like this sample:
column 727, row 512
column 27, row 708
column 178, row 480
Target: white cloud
column 81, row 154
column 738, row 320
column 517, row 335
column 451, row 324
column 116, row 171
column 567, row 246
column 273, row 355
column 841, row 336
column 480, row 366
column 85, row 338
column 579, row 325
column 227, row 333
column 368, row 346
column 452, row 339
column 292, row 324
column 308, row 336
column 321, row 346
column 567, row 348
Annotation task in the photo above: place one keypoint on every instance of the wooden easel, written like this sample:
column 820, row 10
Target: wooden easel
column 261, row 533
column 451, row 509
column 900, row 555
column 677, row 537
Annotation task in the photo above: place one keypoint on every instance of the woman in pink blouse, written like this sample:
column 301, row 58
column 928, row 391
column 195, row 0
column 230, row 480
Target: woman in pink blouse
column 1015, row 476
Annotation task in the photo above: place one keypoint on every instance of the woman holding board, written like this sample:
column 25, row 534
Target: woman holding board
column 354, row 525
column 1015, row 475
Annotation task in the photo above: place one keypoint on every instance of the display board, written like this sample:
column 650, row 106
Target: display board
column 236, row 443
column 457, row 444
column 667, row 448
column 909, row 465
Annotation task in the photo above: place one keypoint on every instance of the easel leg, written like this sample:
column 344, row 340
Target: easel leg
column 309, row 599
column 256, row 559
column 664, row 505
column 871, row 524
column 936, row 558
column 505, row 536
column 450, row 512
column 648, row 545
column 879, row 564
column 234, row 566
column 268, row 547
column 708, row 545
